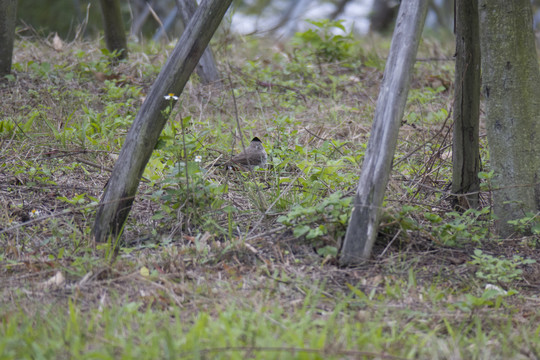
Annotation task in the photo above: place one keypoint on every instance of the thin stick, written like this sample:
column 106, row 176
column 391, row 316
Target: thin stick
column 274, row 203
column 390, row 243
column 156, row 17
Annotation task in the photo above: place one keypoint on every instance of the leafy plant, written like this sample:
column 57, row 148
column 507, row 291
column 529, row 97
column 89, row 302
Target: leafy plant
column 329, row 217
column 494, row 269
column 488, row 178
column 490, row 299
column 83, row 202
column 457, row 228
column 529, row 224
column 193, row 201
column 41, row 69
column 9, row 126
column 323, row 43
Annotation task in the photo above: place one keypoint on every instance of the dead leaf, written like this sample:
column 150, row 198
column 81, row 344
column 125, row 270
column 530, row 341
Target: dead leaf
column 58, row 44
column 56, row 281
column 102, row 76
column 144, row 271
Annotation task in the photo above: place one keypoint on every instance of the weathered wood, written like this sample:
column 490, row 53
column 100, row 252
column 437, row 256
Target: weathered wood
column 362, row 229
column 115, row 35
column 8, row 12
column 144, row 133
column 206, row 68
column 465, row 147
column 510, row 78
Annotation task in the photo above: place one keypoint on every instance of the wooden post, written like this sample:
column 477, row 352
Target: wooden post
column 362, row 229
column 146, row 128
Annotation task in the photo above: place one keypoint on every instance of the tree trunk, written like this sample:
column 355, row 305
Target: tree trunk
column 443, row 11
column 144, row 133
column 291, row 25
column 8, row 15
column 512, row 97
column 340, row 7
column 140, row 10
column 165, row 26
column 382, row 15
column 362, row 229
column 206, row 69
column 465, row 147
column 115, row 36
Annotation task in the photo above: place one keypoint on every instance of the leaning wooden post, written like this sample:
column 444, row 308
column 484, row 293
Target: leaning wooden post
column 362, row 229
column 144, row 133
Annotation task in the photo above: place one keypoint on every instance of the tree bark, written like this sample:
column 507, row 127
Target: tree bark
column 8, row 15
column 115, row 36
column 512, row 100
column 120, row 192
column 206, row 68
column 362, row 229
column 465, row 147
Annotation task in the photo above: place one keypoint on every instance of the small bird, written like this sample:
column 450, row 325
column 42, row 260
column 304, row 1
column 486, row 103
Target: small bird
column 254, row 155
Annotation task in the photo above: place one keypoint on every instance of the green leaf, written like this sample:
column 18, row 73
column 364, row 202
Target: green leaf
column 434, row 218
column 300, row 231
column 327, row 250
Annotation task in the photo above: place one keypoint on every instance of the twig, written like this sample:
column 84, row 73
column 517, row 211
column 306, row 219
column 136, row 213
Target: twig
column 428, row 141
column 390, row 243
column 269, row 84
column 274, row 203
column 156, row 17
column 101, row 167
column 45, row 217
column 89, row 163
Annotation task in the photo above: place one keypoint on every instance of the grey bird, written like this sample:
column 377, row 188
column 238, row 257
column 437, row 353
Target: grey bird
column 254, row 155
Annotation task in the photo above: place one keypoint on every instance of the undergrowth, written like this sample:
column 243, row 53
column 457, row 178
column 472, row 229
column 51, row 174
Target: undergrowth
column 234, row 264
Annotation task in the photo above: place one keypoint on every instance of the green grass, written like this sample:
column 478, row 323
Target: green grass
column 310, row 324
column 218, row 264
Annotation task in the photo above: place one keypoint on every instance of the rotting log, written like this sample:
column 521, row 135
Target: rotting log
column 364, row 221
column 143, row 135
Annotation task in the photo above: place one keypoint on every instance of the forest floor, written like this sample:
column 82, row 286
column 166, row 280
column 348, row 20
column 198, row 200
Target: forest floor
column 229, row 264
